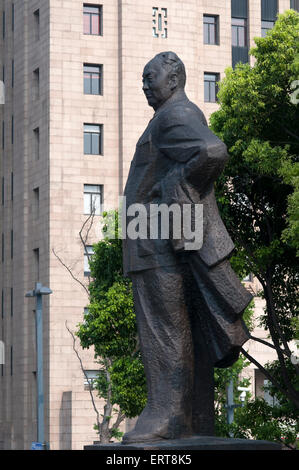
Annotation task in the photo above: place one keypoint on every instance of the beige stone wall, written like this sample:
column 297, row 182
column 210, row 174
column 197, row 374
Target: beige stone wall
column 70, row 169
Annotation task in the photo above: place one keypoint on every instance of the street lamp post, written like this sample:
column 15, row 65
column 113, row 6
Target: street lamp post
column 38, row 292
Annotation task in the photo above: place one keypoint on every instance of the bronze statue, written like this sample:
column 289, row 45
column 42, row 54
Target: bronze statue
column 188, row 302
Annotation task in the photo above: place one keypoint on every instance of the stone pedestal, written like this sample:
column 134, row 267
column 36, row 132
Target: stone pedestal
column 192, row 443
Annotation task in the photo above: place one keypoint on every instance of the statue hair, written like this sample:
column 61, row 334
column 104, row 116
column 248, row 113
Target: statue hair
column 173, row 64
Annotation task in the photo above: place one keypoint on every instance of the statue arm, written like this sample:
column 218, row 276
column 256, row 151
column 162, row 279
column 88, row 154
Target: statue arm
column 198, row 155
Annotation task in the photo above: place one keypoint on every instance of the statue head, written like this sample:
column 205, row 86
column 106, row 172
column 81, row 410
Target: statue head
column 163, row 76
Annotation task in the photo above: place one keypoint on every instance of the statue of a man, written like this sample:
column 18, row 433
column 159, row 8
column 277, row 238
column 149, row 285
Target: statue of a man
column 188, row 302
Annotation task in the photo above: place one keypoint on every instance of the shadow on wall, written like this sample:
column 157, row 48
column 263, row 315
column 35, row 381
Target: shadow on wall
column 65, row 422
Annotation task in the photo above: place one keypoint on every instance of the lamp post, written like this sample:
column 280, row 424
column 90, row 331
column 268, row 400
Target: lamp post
column 38, row 292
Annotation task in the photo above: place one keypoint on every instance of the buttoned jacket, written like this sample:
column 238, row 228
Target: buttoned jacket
column 177, row 160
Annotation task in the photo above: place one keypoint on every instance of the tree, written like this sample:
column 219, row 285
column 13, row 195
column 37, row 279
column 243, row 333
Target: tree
column 223, row 377
column 275, row 422
column 257, row 193
column 110, row 327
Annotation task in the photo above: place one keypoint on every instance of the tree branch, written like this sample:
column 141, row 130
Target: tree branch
column 70, row 272
column 290, row 133
column 86, row 376
column 259, row 340
column 119, row 419
column 271, row 378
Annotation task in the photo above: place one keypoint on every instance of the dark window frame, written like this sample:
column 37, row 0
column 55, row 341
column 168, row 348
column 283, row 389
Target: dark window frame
column 11, row 302
column 241, row 31
column 88, row 251
column 12, row 73
column 2, row 250
column 12, row 129
column 294, row 5
column 3, row 25
column 90, row 194
column 88, row 81
column 36, row 143
column 266, row 26
column 36, row 19
column 98, row 13
column 12, row 17
column 36, row 256
column 95, row 138
column 36, row 83
column 3, row 135
column 211, row 93
column 207, row 26
column 11, row 244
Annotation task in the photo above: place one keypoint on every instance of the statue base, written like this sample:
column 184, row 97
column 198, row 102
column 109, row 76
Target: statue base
column 191, row 443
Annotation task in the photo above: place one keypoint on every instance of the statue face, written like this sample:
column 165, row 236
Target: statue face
column 157, row 84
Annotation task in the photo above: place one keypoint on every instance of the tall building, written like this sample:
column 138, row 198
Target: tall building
column 73, row 111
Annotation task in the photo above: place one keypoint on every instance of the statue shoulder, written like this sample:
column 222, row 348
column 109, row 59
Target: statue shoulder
column 182, row 113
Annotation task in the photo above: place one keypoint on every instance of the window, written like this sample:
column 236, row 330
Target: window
column 12, row 17
column 92, row 139
column 90, row 378
column 210, row 87
column 11, row 302
column 36, row 263
column 93, row 79
column 36, row 84
column 210, row 29
column 269, row 10
column 3, row 24
column 36, row 143
column 12, row 129
column 93, row 199
column 159, row 22
column 295, row 5
column 2, row 357
column 36, row 24
column 11, row 244
column 36, row 203
column 266, row 26
column 2, row 92
column 92, row 19
column 239, row 32
column 88, row 253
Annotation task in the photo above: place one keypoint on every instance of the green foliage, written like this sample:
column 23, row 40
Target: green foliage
column 222, row 378
column 258, row 191
column 129, row 385
column 110, row 326
column 290, row 175
column 258, row 420
column 286, row 408
column 277, row 422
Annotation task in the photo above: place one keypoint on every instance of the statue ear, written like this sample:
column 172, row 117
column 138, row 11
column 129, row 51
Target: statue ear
column 173, row 81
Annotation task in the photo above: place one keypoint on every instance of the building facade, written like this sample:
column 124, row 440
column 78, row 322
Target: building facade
column 73, row 111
